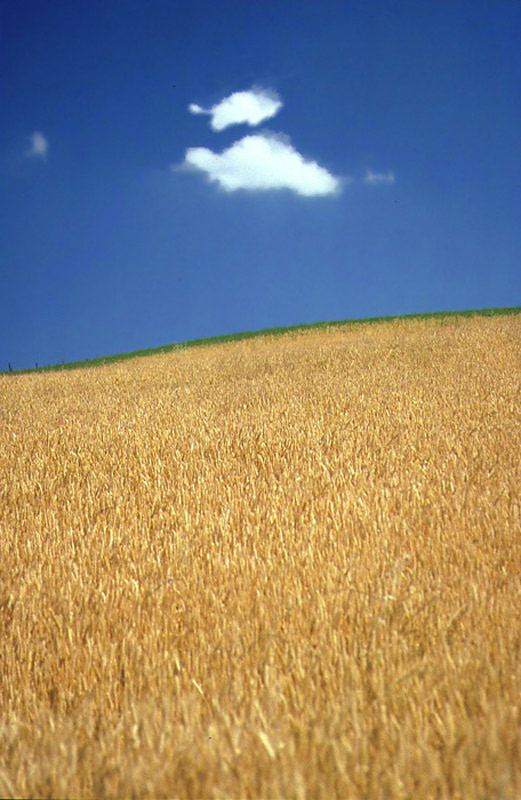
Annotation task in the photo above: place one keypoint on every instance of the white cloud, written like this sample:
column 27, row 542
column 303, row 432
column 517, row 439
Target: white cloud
column 251, row 107
column 193, row 108
column 39, row 146
column 261, row 162
column 378, row 177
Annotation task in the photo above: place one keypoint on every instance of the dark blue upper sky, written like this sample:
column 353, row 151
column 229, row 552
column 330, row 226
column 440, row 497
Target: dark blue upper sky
column 412, row 109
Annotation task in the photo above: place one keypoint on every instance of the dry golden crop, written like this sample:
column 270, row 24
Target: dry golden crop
column 285, row 567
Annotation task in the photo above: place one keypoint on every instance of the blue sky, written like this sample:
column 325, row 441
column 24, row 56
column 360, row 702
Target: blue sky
column 353, row 159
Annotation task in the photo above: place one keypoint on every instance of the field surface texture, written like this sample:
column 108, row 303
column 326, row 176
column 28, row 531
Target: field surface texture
column 285, row 567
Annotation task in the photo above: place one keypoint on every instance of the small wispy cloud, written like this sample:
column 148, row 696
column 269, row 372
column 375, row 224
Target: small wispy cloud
column 251, row 107
column 39, row 146
column 262, row 162
column 379, row 177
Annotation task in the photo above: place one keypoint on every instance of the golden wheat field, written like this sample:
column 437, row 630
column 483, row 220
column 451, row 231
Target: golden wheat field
column 285, row 567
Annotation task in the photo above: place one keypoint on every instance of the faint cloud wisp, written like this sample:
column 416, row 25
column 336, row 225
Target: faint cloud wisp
column 375, row 178
column 39, row 146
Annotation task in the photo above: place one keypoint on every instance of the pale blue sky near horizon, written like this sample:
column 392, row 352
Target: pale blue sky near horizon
column 385, row 179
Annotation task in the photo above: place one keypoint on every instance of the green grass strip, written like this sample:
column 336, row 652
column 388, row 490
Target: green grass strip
column 236, row 337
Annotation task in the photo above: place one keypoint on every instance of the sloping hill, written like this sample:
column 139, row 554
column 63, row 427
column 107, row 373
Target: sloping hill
column 278, row 567
column 235, row 337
